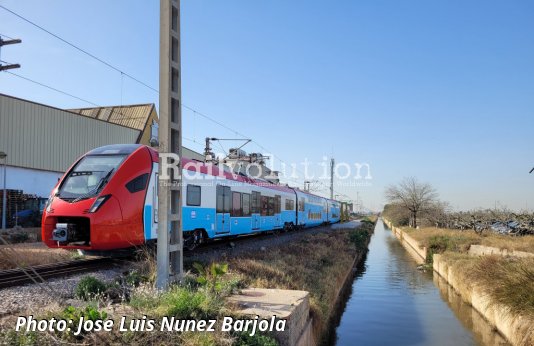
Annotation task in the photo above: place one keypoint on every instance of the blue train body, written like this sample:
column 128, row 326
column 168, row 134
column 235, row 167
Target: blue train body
column 219, row 204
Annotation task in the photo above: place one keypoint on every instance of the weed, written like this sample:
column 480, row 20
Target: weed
column 209, row 276
column 89, row 313
column 75, row 255
column 134, row 278
column 89, row 287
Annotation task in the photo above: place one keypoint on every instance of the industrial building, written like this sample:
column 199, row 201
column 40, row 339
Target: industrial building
column 41, row 141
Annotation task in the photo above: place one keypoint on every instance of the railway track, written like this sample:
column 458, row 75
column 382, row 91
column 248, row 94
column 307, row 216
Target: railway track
column 17, row 277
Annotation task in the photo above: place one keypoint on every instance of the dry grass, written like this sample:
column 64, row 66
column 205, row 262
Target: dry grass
column 509, row 281
column 318, row 263
column 31, row 254
column 525, row 243
column 461, row 240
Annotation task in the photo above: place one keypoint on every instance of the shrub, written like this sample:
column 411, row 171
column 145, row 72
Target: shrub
column 359, row 238
column 436, row 245
column 89, row 287
column 75, row 314
column 134, row 278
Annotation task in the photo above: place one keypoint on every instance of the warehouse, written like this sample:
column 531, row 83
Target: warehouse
column 41, row 142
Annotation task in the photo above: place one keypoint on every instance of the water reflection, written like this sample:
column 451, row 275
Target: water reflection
column 469, row 317
column 393, row 303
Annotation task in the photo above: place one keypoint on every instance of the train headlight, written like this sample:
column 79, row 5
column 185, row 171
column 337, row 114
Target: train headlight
column 98, row 203
column 48, row 204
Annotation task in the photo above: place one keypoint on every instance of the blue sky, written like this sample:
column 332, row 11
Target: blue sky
column 440, row 90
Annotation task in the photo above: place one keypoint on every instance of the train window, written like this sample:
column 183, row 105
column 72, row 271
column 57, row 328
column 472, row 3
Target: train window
column 271, row 206
column 277, row 204
column 193, row 195
column 246, row 204
column 220, row 199
column 223, row 199
column 264, row 205
column 137, row 184
column 301, row 204
column 256, row 200
column 236, row 204
column 290, row 204
column 227, row 199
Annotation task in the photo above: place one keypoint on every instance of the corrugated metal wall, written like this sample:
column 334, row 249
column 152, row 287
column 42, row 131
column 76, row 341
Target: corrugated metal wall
column 42, row 137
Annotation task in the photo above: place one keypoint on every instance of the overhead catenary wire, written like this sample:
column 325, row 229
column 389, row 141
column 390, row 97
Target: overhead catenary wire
column 52, row 88
column 78, row 48
column 123, row 73
column 8, row 37
column 71, row 95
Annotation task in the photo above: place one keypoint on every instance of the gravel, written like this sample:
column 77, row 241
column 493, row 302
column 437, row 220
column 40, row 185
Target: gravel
column 56, row 293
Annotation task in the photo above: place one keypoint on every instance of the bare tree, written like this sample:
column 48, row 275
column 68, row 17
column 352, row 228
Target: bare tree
column 412, row 195
column 437, row 213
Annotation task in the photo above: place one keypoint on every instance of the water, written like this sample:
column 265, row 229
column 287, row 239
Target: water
column 394, row 303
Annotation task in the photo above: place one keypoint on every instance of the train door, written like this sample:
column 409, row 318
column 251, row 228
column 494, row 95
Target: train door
column 223, row 206
column 278, row 211
column 256, row 196
column 302, row 211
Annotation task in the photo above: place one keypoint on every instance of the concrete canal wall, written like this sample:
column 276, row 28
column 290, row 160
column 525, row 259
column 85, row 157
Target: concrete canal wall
column 417, row 251
column 482, row 250
column 290, row 305
column 516, row 329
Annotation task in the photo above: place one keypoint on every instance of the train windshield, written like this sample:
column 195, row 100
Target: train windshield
column 89, row 176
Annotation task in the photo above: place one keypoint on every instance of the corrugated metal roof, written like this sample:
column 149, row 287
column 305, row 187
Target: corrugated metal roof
column 42, row 137
column 132, row 116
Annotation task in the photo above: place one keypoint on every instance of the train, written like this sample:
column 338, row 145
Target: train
column 107, row 200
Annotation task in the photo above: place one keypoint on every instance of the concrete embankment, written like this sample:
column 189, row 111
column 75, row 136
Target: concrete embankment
column 517, row 329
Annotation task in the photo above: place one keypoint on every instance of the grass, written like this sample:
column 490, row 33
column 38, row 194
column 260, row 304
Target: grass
column 509, row 281
column 30, row 255
column 460, row 241
column 181, row 301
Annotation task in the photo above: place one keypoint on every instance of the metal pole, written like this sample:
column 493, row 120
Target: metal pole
column 170, row 243
column 4, row 196
column 332, row 179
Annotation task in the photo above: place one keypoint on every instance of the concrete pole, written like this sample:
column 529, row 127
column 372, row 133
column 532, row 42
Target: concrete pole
column 170, row 242
column 4, row 196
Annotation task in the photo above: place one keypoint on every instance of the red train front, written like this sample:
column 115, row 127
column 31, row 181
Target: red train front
column 98, row 204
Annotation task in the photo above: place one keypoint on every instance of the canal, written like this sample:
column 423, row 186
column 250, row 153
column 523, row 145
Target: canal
column 391, row 302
